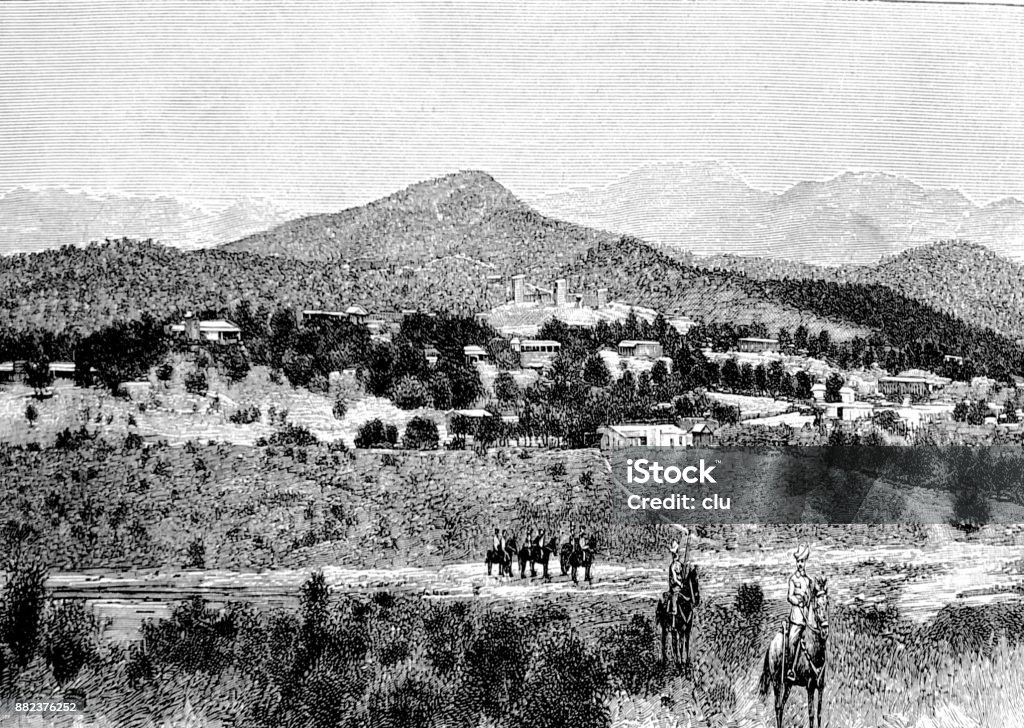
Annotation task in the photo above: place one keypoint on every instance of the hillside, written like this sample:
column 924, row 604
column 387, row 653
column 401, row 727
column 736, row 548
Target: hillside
column 467, row 214
column 989, row 289
column 637, row 273
column 452, row 243
column 855, row 218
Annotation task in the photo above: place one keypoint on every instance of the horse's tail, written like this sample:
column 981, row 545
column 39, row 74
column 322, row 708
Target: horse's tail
column 766, row 675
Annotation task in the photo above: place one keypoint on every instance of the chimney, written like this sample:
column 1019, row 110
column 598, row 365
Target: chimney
column 602, row 297
column 519, row 289
column 560, row 292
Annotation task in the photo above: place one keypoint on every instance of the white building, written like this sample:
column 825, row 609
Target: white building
column 641, row 435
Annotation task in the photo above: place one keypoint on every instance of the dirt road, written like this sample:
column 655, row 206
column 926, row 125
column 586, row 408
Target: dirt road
column 920, row 581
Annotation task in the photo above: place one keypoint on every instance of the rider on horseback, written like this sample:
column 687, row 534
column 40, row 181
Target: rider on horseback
column 799, row 597
column 675, row 579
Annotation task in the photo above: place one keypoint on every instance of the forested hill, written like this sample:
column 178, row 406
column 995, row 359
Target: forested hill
column 966, row 280
column 465, row 214
column 84, row 289
column 637, row 273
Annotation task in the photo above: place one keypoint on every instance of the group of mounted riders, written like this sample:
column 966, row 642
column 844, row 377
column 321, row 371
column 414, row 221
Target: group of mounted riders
column 796, row 655
column 575, row 554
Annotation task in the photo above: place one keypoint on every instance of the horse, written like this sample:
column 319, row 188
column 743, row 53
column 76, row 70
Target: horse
column 688, row 600
column 573, row 559
column 511, row 551
column 809, row 659
column 494, row 556
column 536, row 554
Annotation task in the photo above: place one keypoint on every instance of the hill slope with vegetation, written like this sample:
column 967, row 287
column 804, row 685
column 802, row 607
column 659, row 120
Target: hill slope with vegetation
column 956, row 277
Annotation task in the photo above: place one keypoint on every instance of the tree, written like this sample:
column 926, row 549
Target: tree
column 506, row 391
column 195, row 382
column 410, row 393
column 164, row 372
column 731, row 374
column 31, row 414
column 773, row 377
column 235, row 363
column 961, row 410
column 420, row 434
column 659, row 372
column 833, row 383
column 38, row 375
column 375, row 434
column 977, row 413
column 340, row 408
column 1009, row 413
column 595, row 371
column 803, row 385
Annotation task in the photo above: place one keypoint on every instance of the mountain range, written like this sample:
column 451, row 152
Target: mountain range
column 856, row 218
column 37, row 219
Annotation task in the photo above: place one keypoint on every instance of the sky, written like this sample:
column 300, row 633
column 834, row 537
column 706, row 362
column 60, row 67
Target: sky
column 322, row 106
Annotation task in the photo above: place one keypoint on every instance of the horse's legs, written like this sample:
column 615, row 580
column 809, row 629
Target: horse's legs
column 781, row 707
column 587, row 575
column 686, row 636
column 664, row 639
column 820, row 691
column 810, row 703
column 574, row 579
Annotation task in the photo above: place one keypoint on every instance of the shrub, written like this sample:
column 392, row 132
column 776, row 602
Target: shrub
column 340, row 408
column 69, row 639
column 420, row 434
column 195, row 382
column 164, row 372
column 21, row 613
column 291, row 434
column 195, row 557
column 245, row 415
column 410, row 393
column 376, row 434
column 31, row 414
column 749, row 600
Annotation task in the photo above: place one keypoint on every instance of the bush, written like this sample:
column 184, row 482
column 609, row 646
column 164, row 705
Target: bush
column 195, row 382
column 195, row 557
column 410, row 393
column 420, row 434
column 291, row 434
column 21, row 613
column 69, row 639
column 749, row 600
column 376, row 434
column 164, row 372
column 340, row 408
column 245, row 415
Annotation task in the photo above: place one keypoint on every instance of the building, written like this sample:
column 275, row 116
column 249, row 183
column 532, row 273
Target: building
column 431, row 354
column 619, row 436
column 848, row 411
column 218, row 331
column 531, row 306
column 701, row 435
column 910, row 385
column 847, row 394
column 535, row 353
column 818, row 391
column 753, row 345
column 62, row 369
column 474, row 354
column 640, row 349
column 682, row 324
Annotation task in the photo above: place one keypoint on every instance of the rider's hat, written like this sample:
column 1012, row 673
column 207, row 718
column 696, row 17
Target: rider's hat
column 674, row 548
column 802, row 552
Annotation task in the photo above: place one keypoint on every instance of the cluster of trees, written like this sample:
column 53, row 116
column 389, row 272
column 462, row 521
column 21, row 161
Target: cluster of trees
column 974, row 413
